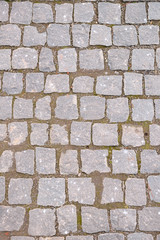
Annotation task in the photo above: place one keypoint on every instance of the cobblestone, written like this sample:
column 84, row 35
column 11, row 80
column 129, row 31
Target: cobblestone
column 43, row 109
column 136, row 13
column 154, row 130
column 4, row 10
column 154, row 188
column 10, row 34
column 58, row 35
column 83, row 12
column 139, row 236
column 46, row 62
column 32, row 37
column 34, row 82
column 58, row 134
column 150, row 162
column 23, row 108
column 6, row 161
column 69, row 162
column 124, row 35
column 152, row 83
column 91, row 59
column 3, row 131
column 57, row 83
column 83, row 84
column 100, row 35
column 142, row 110
column 39, row 135
column 12, row 83
column 109, row 13
column 153, row 10
column 18, row 132
column 80, row 133
column 133, row 135
column 80, row 34
column 6, row 107
column 42, row 13
column 67, row 59
column 5, row 59
column 143, row 59
column 25, row 161
column 21, row 12
column 149, row 218
column 148, row 35
column 64, row 13
column 111, row 236
column 133, row 83
column 117, row 109
column 118, row 59
column 2, row 189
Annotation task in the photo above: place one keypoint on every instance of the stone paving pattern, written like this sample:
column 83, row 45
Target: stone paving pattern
column 79, row 120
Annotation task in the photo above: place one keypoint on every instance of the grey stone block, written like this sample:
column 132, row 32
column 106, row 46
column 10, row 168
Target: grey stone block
column 11, row 218
column 5, row 107
column 92, row 107
column 154, row 188
column 92, row 59
column 3, row 131
column 154, row 131
column 18, row 132
column 124, row 161
column 109, row 85
column 12, row 83
column 117, row 109
column 58, row 134
column 51, row 192
column 83, row 84
column 5, row 59
column 150, row 162
column 148, row 35
column 154, row 11
column 45, row 160
column 67, row 219
column 109, row 13
column 2, row 189
column 64, row 13
column 111, row 236
column 136, row 13
column 158, row 57
column 23, row 108
column 68, row 162
column 21, row 12
column 21, row 238
column 157, row 108
column 118, row 59
column 43, row 108
column 32, row 37
column 105, row 134
column 57, row 83
column 133, row 135
column 100, row 35
column 19, row 191
column 39, row 134
column 34, row 82
column 149, row 219
column 94, row 220
column 10, row 34
column 112, row 191
column 80, row 133
column 124, row 35
column 142, row 110
column 81, row 190
column 42, row 222
column 58, row 35
column 42, row 13
column 139, row 236
column 4, row 10
column 25, row 161
column 143, row 59
column 152, row 85
column 6, row 161
column 84, row 237
column 46, row 62
column 83, row 12
column 123, row 219
column 24, row 58
column 94, row 160
column 66, row 107
column 67, row 60
column 80, row 35
column 133, row 83
column 135, row 193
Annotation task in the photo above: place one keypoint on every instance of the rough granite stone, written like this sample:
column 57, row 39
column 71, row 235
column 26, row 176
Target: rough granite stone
column 21, row 12
column 6, row 161
column 124, row 35
column 109, row 13
column 80, row 35
column 57, row 83
column 83, row 12
column 112, row 191
column 149, row 219
column 81, row 190
column 154, row 188
column 139, row 236
column 92, row 59
column 32, row 37
column 39, row 134
column 4, row 10
column 100, row 35
column 83, row 84
column 117, row 109
column 58, row 35
column 67, row 60
column 12, row 83
column 46, row 63
column 45, row 160
column 133, row 83
column 150, row 162
column 118, row 59
column 23, row 108
column 5, row 59
column 94, row 160
column 25, row 161
column 124, row 161
column 51, row 192
column 42, row 13
column 68, row 162
column 3, row 131
column 42, row 222
column 43, row 108
column 5, row 107
column 154, row 131
column 67, row 219
column 132, row 135
column 148, row 35
column 111, row 236
column 158, row 57
column 143, row 59
column 58, row 134
column 157, row 108
column 18, row 132
column 19, row 191
column 2, row 189
column 105, row 134
column 123, row 219
column 135, row 194
column 10, row 34
column 80, row 133
column 34, row 82
column 94, row 220
column 22, row 238
column 84, row 237
column 154, row 11
column 152, row 85
column 64, row 13
column 136, row 13
column 142, row 110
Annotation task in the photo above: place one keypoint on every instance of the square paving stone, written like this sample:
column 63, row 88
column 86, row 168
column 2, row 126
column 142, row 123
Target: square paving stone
column 64, row 13
column 68, row 162
column 133, row 83
column 136, row 13
column 112, row 191
column 109, row 13
column 34, row 82
column 94, row 160
column 117, row 109
column 148, row 35
column 118, row 59
column 51, row 192
column 31, row 37
column 154, row 131
column 67, row 60
column 4, row 10
column 139, row 236
column 135, row 193
column 154, row 11
column 83, row 12
column 5, row 59
column 80, row 133
column 25, row 161
column 124, row 35
column 80, row 35
column 143, row 59
column 83, row 84
column 39, row 134
column 142, row 110
column 58, row 35
column 84, row 237
column 92, row 107
column 12, row 83
column 45, row 160
column 22, row 238
column 21, row 12
column 150, row 162
column 157, row 108
column 123, row 219
column 111, row 236
column 92, row 59
column 10, row 34
column 5, row 107
column 2, row 189
column 43, row 108
column 3, row 131
column 19, row 191
column 42, row 222
column 149, row 219
column 158, row 57
column 100, row 35
column 132, row 135
column 154, row 188
column 124, row 161
column 42, row 13
column 67, row 219
column 152, row 85
column 23, row 108
column 57, row 83
column 81, row 190
column 6, row 161
column 94, row 220
column 46, row 62
column 105, row 134
column 58, row 134
column 18, row 132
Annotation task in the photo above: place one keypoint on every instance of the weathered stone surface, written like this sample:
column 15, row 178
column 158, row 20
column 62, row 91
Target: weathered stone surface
column 158, row 57
column 32, row 37
column 5, row 59
column 2, row 189
column 150, row 162
column 57, row 83
column 21, row 12
column 34, row 82
column 136, row 13
column 112, row 191
column 124, row 161
column 46, row 63
column 109, row 13
column 67, row 60
column 43, row 108
column 10, row 34
column 4, row 10
column 81, row 190
column 58, row 134
column 42, row 222
column 83, row 84
column 80, row 133
column 94, row 220
column 100, row 35
column 139, row 236
column 58, row 35
column 67, row 219
column 149, row 219
column 91, row 59
column 84, row 237
column 148, row 35
column 94, row 160
column 64, row 13
column 19, row 191
column 118, row 59
column 23, row 108
column 142, row 110
column 42, row 13
column 117, row 109
column 25, row 161
column 80, row 34
column 154, row 11
column 83, row 12
column 143, row 59
column 154, row 188
column 111, row 236
column 5, row 108
column 133, row 83
column 39, row 134
column 21, row 238
column 51, row 192
column 3, row 131
column 124, row 35
column 154, row 131
column 6, row 161
column 132, row 135
column 152, row 85
column 18, row 132
column 68, row 162
column 12, row 83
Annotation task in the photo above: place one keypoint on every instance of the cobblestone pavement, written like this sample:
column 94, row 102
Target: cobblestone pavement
column 79, row 120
